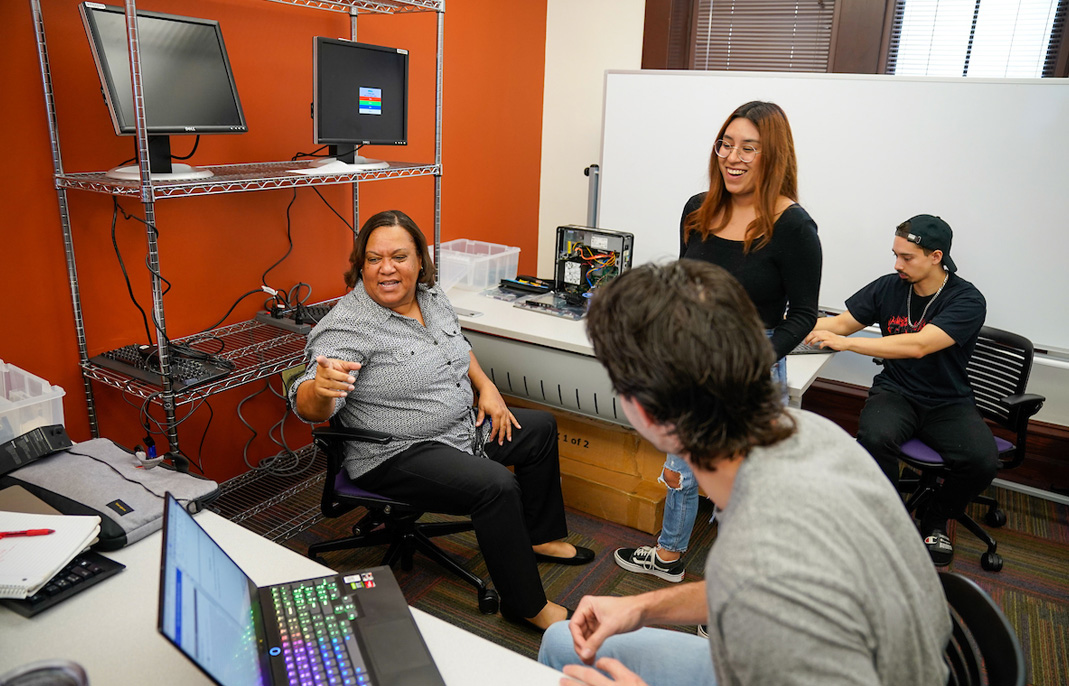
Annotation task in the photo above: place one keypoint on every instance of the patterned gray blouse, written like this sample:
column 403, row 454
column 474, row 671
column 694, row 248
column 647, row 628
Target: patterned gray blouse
column 413, row 383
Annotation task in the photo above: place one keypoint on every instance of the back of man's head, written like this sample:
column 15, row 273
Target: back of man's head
column 684, row 341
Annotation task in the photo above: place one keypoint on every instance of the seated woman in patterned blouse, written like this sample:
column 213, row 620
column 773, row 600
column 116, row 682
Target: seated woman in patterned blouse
column 390, row 357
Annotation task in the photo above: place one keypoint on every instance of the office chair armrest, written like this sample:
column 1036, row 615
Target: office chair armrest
column 331, row 433
column 1021, row 407
column 1025, row 403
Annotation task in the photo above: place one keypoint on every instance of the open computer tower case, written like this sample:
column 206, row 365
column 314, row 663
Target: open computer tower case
column 585, row 259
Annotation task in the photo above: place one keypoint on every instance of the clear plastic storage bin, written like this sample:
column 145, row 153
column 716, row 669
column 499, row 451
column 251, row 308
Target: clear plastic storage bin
column 476, row 265
column 26, row 402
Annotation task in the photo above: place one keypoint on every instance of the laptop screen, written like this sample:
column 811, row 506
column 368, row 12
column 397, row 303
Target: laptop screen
column 208, row 606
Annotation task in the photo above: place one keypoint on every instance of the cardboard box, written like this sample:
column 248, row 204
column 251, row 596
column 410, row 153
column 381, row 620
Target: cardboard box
column 607, row 470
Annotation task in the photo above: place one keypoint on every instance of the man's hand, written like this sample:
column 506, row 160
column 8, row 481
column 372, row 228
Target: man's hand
column 599, row 617
column 827, row 339
column 618, row 674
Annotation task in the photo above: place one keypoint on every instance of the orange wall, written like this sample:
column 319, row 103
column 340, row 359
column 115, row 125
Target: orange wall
column 213, row 249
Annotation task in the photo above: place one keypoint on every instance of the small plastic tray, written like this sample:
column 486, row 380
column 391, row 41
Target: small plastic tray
column 476, row 265
column 26, row 402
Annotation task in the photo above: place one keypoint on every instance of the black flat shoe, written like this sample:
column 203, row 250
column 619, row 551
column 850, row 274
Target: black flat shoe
column 582, row 556
column 516, row 619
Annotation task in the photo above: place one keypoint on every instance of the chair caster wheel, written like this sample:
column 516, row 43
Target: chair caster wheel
column 995, row 518
column 991, row 562
column 489, row 602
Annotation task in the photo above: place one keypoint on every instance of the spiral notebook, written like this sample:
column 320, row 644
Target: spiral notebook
column 27, row 563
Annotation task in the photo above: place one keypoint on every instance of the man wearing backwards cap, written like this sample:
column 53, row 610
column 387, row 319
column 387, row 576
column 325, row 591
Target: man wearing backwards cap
column 930, row 318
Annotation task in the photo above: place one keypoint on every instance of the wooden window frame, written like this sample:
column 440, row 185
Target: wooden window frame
column 861, row 33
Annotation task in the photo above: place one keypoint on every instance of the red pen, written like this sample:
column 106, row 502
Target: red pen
column 27, row 532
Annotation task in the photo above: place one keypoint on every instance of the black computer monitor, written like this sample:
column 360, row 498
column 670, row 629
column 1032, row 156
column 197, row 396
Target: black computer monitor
column 360, row 97
column 185, row 73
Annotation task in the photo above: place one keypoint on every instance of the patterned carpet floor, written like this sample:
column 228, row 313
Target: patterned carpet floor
column 1032, row 588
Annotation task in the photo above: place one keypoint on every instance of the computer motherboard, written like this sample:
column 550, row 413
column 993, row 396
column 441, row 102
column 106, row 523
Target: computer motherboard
column 587, row 258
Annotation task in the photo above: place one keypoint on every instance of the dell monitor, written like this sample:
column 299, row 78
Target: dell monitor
column 187, row 82
column 360, row 97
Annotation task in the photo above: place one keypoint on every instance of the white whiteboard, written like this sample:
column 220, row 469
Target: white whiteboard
column 872, row 152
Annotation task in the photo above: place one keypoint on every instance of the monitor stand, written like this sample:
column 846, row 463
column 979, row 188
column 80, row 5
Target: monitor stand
column 179, row 172
column 344, row 160
column 332, row 165
column 160, row 166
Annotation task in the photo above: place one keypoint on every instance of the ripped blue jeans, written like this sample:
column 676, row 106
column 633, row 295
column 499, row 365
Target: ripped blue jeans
column 681, row 503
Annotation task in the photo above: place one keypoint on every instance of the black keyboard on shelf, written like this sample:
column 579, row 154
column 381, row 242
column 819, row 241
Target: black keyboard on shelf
column 300, row 319
column 82, row 572
column 189, row 368
column 806, row 349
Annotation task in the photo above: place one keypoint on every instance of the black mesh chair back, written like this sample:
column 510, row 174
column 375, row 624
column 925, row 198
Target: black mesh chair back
column 983, row 647
column 998, row 373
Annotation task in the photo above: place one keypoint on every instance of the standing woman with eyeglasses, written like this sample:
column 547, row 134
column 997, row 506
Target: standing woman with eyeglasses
column 750, row 223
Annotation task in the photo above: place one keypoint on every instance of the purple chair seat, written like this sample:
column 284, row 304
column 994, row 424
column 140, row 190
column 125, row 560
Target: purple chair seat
column 918, row 450
column 344, row 486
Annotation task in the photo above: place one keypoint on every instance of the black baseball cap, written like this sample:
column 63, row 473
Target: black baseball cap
column 931, row 233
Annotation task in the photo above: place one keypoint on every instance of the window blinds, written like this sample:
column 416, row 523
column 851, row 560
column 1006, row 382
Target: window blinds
column 982, row 38
column 763, row 35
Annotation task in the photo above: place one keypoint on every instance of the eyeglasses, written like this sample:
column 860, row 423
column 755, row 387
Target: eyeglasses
column 747, row 153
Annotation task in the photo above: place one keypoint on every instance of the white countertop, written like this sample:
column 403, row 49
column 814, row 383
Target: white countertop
column 500, row 318
column 110, row 629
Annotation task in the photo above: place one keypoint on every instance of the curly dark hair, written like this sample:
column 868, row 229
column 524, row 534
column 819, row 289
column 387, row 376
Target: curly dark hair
column 427, row 272
column 684, row 341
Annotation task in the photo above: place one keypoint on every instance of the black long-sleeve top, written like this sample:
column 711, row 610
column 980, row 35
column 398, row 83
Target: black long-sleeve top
column 781, row 277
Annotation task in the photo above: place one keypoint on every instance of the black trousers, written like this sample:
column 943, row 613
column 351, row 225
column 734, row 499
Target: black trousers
column 511, row 512
column 956, row 431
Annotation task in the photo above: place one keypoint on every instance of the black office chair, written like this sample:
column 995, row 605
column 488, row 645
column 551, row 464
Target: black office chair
column 983, row 647
column 386, row 522
column 998, row 373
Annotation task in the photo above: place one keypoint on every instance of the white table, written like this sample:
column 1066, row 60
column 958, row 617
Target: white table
column 532, row 334
column 110, row 629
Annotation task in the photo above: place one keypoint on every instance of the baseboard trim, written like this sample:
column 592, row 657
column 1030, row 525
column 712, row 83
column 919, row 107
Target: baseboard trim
column 1028, row 490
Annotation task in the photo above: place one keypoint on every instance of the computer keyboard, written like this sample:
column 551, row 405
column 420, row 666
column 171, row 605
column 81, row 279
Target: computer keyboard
column 142, row 362
column 806, row 349
column 318, row 644
column 82, row 572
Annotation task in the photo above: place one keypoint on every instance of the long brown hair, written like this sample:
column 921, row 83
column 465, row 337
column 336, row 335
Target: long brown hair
column 778, row 176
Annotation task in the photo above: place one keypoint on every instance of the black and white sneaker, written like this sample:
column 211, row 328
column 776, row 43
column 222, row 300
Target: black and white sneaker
column 702, row 631
column 644, row 560
column 939, row 547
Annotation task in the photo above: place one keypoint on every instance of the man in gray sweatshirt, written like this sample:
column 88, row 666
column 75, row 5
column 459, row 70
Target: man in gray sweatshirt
column 817, row 575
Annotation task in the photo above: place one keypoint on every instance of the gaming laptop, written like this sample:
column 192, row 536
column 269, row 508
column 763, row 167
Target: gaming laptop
column 353, row 628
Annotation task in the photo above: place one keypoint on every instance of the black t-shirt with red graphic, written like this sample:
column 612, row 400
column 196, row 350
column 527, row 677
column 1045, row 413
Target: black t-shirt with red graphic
column 959, row 311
